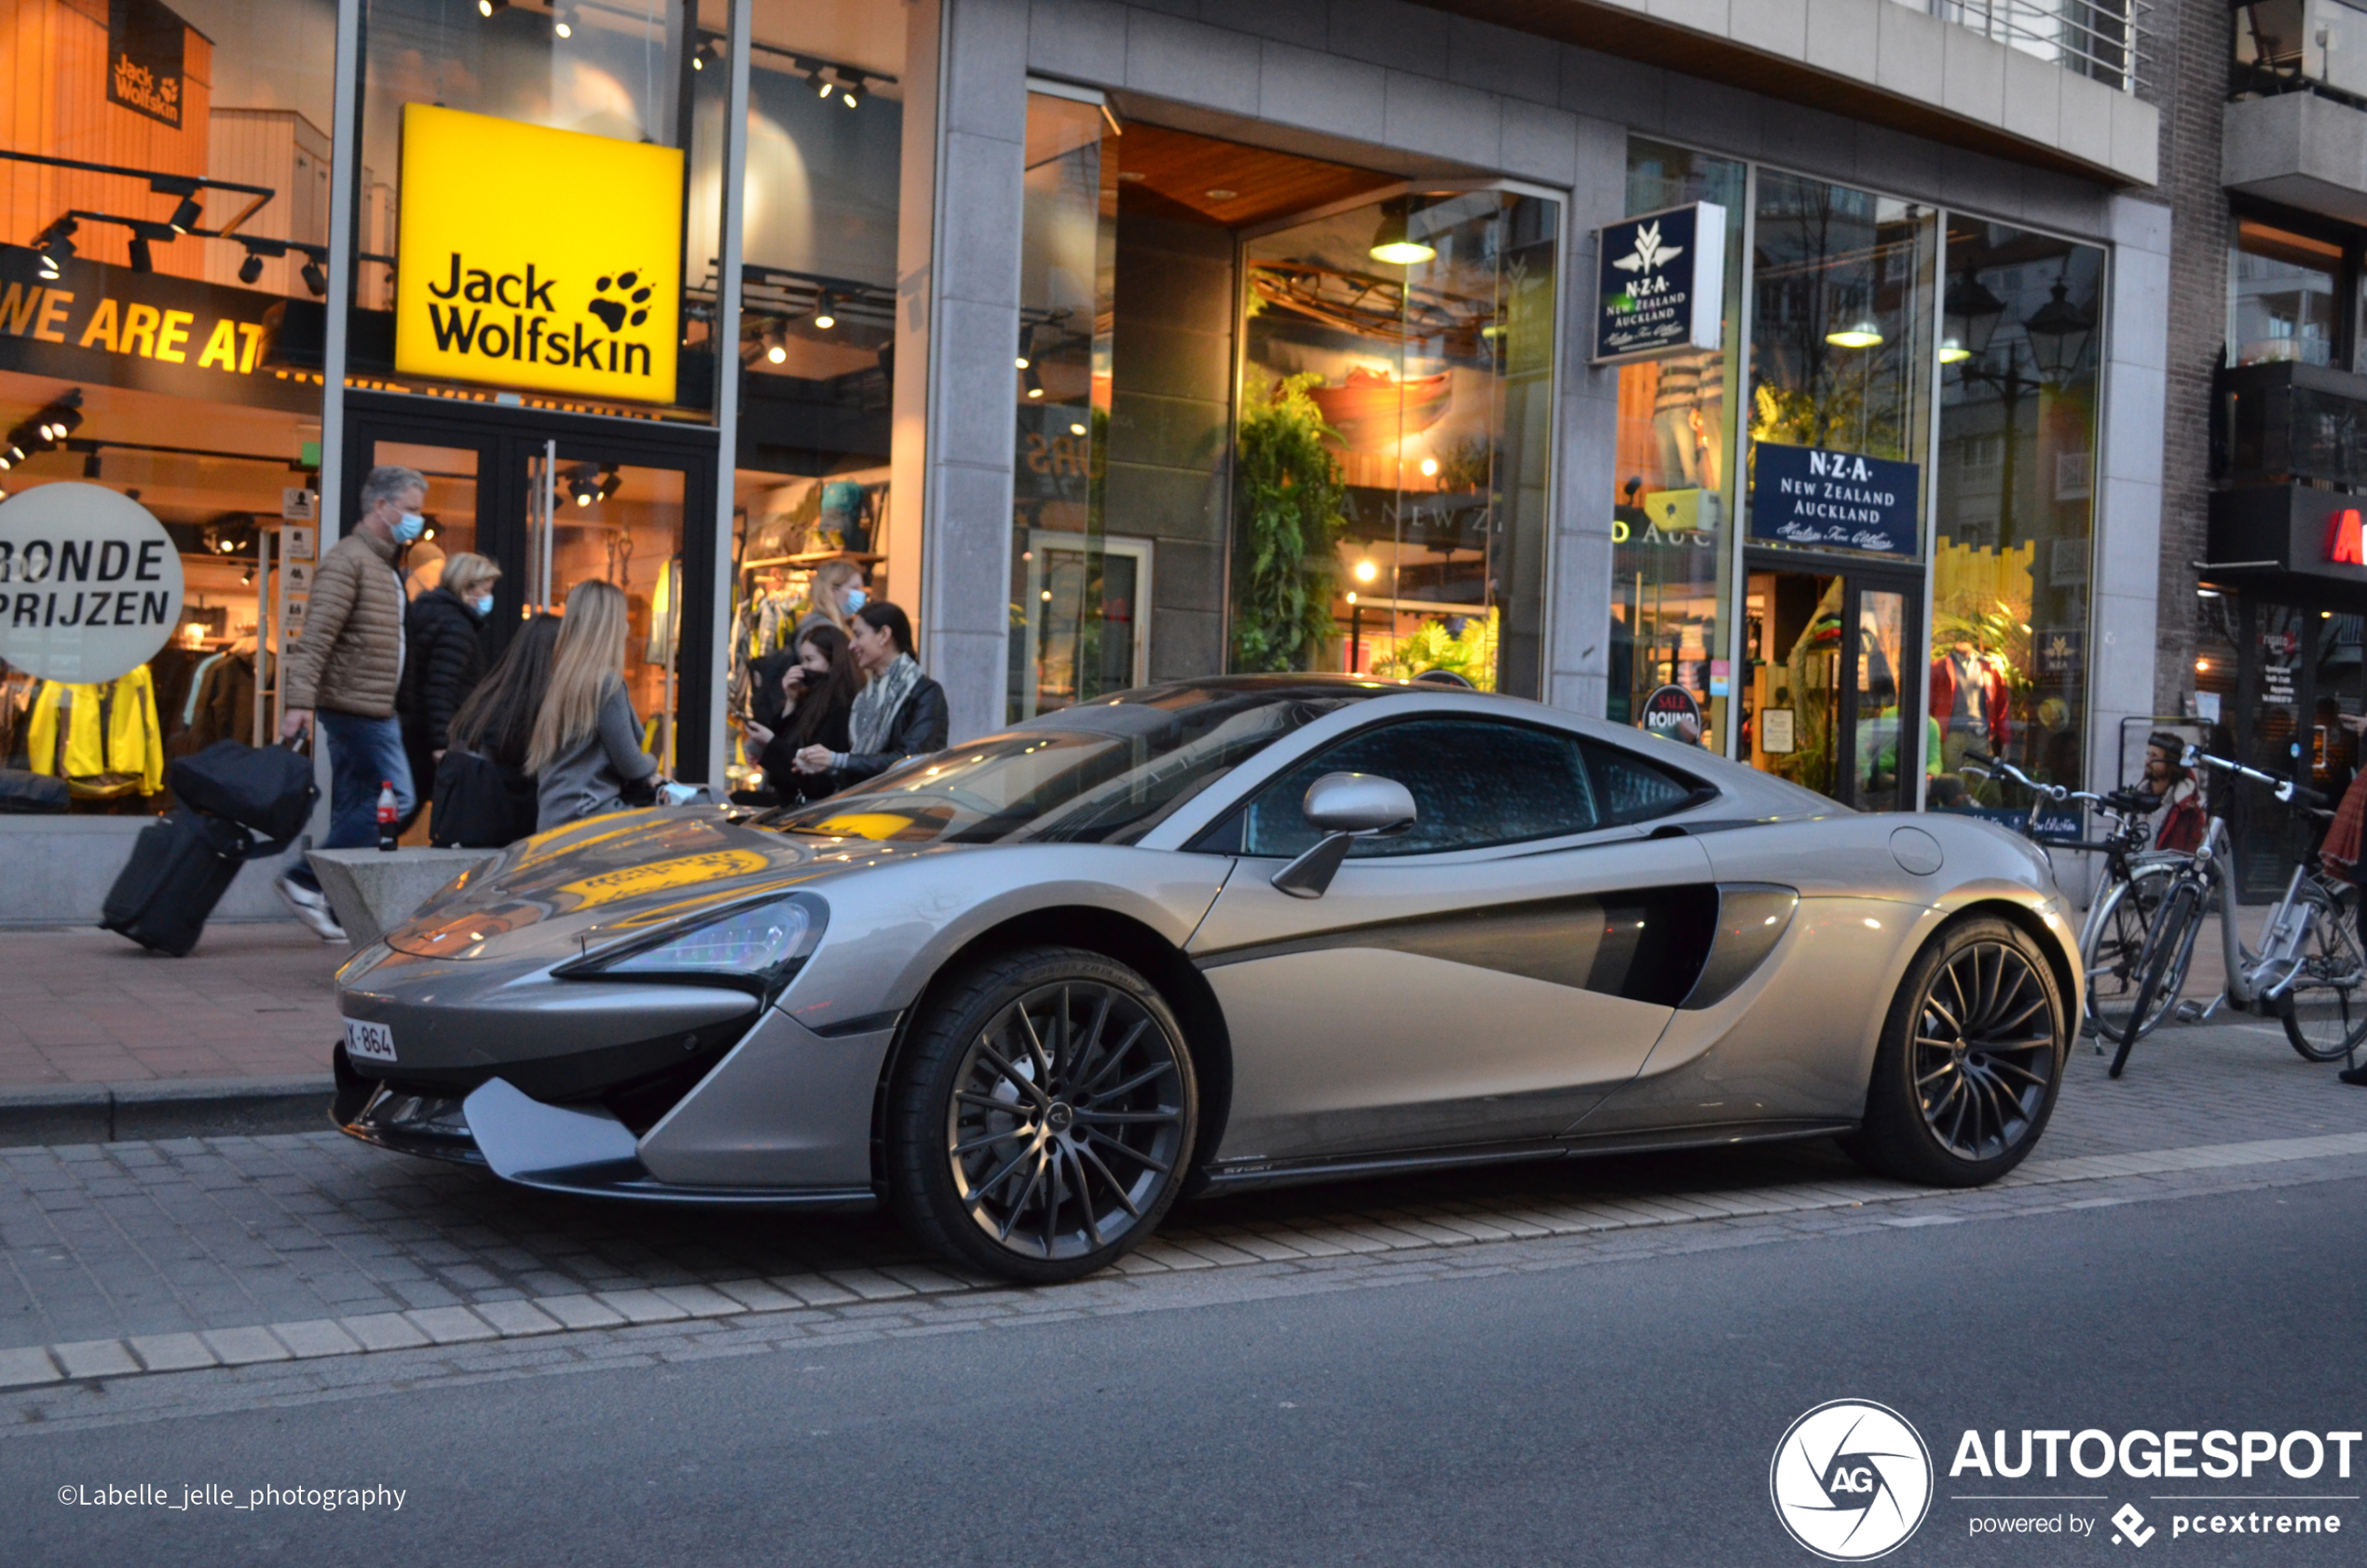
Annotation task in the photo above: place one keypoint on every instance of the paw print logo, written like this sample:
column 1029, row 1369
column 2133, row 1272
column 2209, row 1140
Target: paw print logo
column 614, row 311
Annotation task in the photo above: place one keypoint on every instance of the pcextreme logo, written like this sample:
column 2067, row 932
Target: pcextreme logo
column 500, row 278
column 1851, row 1480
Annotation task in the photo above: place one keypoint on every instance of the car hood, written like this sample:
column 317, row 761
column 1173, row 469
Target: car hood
column 576, row 890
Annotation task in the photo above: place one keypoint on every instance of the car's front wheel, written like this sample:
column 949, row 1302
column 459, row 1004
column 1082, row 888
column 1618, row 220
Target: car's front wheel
column 1970, row 1062
column 1042, row 1115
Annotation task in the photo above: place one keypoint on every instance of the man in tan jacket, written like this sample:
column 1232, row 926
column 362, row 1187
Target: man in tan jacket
column 344, row 672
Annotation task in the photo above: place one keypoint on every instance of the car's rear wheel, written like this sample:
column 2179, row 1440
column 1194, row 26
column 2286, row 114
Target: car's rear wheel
column 1042, row 1115
column 1971, row 1059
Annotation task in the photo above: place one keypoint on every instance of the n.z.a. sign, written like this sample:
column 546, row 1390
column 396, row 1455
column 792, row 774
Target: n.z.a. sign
column 1832, row 501
column 1660, row 284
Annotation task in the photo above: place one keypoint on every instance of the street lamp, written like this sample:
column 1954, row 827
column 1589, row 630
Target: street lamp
column 1972, row 315
column 2058, row 332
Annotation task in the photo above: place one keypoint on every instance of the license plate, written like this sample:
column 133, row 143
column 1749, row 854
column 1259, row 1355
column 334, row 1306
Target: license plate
column 373, row 1040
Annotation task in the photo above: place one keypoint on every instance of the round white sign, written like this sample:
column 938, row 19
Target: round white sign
column 90, row 584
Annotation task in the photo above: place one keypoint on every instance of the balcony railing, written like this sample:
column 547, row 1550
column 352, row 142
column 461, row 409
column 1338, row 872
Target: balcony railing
column 2301, row 45
column 2290, row 423
column 2105, row 40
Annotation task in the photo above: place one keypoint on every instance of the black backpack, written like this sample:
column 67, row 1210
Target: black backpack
column 479, row 804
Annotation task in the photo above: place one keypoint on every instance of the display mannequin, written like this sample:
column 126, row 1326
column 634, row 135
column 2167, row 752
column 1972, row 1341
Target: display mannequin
column 1970, row 703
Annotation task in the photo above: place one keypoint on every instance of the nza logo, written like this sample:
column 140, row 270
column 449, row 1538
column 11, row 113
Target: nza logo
column 1650, row 253
column 529, row 332
column 1851, row 1480
column 1839, row 465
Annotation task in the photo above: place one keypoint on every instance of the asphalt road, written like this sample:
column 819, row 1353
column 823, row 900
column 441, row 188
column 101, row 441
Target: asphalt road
column 1622, row 1412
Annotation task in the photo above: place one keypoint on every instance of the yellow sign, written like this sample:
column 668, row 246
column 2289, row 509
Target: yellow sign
column 537, row 258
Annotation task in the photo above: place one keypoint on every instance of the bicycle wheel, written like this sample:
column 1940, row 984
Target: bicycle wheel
column 2117, row 942
column 2162, row 968
column 2325, row 1009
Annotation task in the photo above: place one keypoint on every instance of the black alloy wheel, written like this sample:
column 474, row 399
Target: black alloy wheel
column 1043, row 1116
column 1971, row 1059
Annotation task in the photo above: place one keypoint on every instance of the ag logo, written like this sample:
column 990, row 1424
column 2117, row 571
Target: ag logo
column 1851, row 1480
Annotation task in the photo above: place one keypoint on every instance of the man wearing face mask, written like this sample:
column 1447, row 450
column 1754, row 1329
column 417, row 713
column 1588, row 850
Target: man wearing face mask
column 346, row 670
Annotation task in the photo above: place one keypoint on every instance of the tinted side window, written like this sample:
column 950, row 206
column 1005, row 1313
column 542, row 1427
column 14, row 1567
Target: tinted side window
column 1630, row 788
column 1474, row 783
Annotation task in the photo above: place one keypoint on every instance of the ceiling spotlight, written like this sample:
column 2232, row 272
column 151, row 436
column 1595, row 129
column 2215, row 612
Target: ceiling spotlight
column 1034, row 383
column 1394, row 241
column 583, row 497
column 314, row 278
column 1076, row 429
column 251, row 268
column 184, row 217
column 486, row 7
column 825, row 314
column 54, row 248
column 853, row 93
column 141, row 259
column 1864, row 332
column 825, row 84
column 1430, row 467
column 563, row 23
column 775, row 349
column 611, row 483
column 90, row 465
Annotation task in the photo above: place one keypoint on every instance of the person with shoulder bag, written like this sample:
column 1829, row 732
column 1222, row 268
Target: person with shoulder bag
column 443, row 657
column 900, row 712
column 586, row 752
column 484, row 798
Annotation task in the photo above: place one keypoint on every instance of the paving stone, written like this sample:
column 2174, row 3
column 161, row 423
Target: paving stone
column 95, row 1359
column 451, row 1325
column 579, row 1312
column 700, row 1301
column 24, row 1368
column 757, row 1296
column 813, row 1289
column 172, row 1353
column 517, row 1319
column 240, row 1347
column 642, row 1306
column 383, row 1330
column 315, row 1337
column 870, row 1284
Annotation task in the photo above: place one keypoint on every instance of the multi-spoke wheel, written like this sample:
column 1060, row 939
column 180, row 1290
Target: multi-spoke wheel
column 1971, row 1058
column 1044, row 1114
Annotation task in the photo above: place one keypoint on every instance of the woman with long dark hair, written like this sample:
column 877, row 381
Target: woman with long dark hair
column 484, row 796
column 818, row 696
column 900, row 712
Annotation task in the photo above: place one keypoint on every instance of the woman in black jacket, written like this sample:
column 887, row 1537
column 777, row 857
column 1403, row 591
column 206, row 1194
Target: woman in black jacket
column 442, row 656
column 817, row 698
column 901, row 712
column 484, row 798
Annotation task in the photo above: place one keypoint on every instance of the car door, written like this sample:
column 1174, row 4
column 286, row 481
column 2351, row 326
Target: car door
column 1486, row 977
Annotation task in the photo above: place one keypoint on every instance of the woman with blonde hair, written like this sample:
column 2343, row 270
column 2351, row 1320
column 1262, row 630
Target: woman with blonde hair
column 834, row 594
column 444, row 659
column 587, row 750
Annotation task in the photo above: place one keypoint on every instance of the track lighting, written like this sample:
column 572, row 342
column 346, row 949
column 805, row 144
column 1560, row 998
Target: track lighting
column 251, row 268
column 852, row 95
column 1027, row 346
column 184, row 217
column 1034, row 383
column 141, row 259
column 486, row 7
column 314, row 278
column 826, row 311
column 563, row 22
column 54, row 247
column 826, row 83
column 1394, row 241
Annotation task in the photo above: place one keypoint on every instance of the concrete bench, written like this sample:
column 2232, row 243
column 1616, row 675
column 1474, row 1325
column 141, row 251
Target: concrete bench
column 372, row 891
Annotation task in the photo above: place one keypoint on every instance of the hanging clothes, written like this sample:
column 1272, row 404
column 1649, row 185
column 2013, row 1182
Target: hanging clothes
column 103, row 739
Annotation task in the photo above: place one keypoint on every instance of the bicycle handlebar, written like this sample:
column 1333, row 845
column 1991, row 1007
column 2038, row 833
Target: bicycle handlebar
column 2288, row 791
column 1990, row 767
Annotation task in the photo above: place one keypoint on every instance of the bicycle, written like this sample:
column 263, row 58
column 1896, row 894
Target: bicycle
column 2136, row 879
column 2309, row 969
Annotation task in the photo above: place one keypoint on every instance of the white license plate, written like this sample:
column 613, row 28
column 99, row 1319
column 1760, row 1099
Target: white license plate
column 373, row 1040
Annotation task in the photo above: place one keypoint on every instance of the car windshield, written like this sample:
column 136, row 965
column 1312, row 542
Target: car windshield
column 1101, row 772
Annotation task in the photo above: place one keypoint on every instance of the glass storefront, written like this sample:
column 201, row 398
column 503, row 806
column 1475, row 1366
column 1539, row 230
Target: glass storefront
column 162, row 248
column 1671, row 551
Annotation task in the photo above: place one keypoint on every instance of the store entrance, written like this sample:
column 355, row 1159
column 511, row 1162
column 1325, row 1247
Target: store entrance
column 1831, row 701
column 554, row 500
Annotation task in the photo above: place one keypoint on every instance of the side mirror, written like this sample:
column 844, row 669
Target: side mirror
column 1345, row 807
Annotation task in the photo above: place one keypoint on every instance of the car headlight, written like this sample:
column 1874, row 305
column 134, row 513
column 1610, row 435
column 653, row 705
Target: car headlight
column 755, row 946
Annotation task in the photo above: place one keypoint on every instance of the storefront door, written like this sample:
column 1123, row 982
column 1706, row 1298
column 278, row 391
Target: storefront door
column 1830, row 700
column 554, row 501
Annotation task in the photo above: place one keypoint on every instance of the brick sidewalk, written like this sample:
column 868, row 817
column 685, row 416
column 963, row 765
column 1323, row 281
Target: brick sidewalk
column 86, row 1007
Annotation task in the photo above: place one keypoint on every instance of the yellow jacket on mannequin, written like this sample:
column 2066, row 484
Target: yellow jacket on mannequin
column 109, row 729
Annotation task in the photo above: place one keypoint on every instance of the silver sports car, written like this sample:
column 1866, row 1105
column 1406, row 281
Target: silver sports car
column 1209, row 935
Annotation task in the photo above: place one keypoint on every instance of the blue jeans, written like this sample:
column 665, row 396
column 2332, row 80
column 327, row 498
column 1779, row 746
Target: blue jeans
column 364, row 756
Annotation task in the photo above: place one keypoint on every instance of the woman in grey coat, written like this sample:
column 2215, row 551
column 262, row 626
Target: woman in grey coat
column 586, row 752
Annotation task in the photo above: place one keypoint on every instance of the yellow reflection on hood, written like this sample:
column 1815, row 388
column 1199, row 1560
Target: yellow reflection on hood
column 633, row 882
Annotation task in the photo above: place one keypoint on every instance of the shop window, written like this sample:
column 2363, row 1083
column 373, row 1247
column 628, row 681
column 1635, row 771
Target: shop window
column 1392, row 450
column 1076, row 609
column 816, row 356
column 1672, row 548
column 2283, row 297
column 158, row 336
column 530, row 177
column 2012, row 494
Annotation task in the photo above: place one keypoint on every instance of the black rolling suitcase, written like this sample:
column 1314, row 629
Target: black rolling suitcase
column 268, row 789
column 180, row 867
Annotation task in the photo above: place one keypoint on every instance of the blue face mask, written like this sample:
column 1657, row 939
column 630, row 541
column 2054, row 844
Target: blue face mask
column 408, row 527
column 855, row 600
column 482, row 604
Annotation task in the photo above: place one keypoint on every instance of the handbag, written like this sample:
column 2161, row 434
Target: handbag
column 267, row 789
column 478, row 804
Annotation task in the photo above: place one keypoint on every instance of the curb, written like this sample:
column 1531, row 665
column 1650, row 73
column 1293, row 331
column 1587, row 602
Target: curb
column 164, row 1108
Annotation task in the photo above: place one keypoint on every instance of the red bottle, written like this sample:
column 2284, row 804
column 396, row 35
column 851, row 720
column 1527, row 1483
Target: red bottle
column 388, row 815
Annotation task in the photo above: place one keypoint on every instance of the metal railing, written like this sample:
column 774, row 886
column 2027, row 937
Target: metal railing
column 2301, row 45
column 2104, row 40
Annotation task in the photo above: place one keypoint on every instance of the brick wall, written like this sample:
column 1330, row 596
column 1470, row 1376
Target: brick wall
column 2190, row 82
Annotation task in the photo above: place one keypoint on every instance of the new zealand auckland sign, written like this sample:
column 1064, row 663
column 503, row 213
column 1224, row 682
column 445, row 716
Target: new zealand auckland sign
column 1661, row 283
column 1832, row 501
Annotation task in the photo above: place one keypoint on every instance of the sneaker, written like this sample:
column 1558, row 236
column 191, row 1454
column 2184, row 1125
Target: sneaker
column 312, row 906
column 2354, row 1075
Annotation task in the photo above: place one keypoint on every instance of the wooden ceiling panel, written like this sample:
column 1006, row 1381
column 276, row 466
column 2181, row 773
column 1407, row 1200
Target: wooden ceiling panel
column 1230, row 183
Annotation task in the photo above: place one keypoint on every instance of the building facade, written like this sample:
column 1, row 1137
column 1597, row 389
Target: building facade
column 1125, row 343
